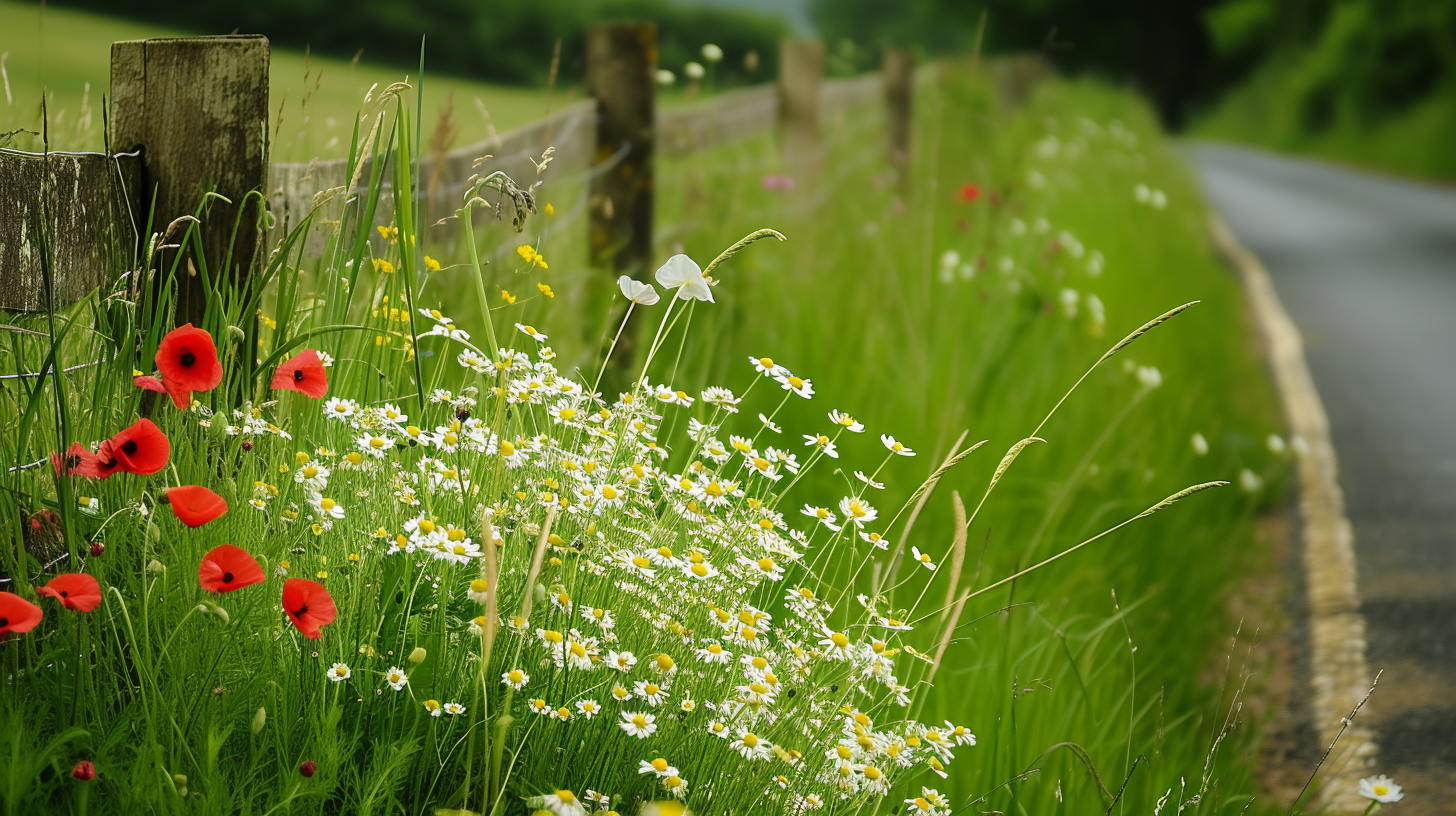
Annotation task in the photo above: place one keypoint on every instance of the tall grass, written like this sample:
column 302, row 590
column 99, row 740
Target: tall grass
column 1078, row 697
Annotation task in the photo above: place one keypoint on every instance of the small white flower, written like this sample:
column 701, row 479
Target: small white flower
column 516, row 679
column 530, row 331
column 923, row 558
column 396, row 678
column 1276, row 445
column 339, row 672
column 1200, row 445
column 1149, row 376
column 1381, row 789
column 588, row 708
column 682, row 274
column 639, row 724
column 712, row 53
column 454, row 709
column 665, row 77
column 694, row 70
column 1250, row 481
column 657, row 767
column 637, row 291
column 846, row 421
column 769, row 423
column 894, row 446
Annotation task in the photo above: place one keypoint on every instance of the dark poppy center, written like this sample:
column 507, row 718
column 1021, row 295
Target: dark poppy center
column 188, row 359
column 72, row 461
column 130, row 447
column 111, row 463
column 302, row 610
column 298, row 375
column 4, row 622
column 65, row 594
column 227, row 577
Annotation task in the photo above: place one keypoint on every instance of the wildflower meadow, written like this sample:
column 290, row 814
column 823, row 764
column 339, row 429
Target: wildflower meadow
column 859, row 500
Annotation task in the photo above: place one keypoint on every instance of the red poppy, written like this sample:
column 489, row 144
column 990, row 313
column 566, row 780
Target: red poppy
column 304, row 374
column 17, row 614
column 76, row 591
column 188, row 362
column 141, row 449
column 195, row 505
column 968, row 192
column 84, row 771
column 79, row 461
column 308, row 605
column 149, row 384
column 226, row 568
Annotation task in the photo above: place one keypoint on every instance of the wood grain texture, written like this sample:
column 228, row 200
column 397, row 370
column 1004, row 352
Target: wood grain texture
column 621, row 61
column 199, row 109
column 801, row 76
column 86, row 202
column 899, row 77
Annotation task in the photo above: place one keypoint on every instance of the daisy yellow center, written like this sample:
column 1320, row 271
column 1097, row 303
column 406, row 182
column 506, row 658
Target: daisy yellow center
column 871, row 772
column 639, row 720
column 844, row 752
column 665, row 552
column 759, row 663
column 552, row 636
column 507, row 449
column 1380, row 790
column 516, row 676
column 838, row 639
column 664, row 662
column 796, row 382
column 327, row 504
column 766, row 362
column 456, row 535
column 651, row 689
column 566, row 797
column 672, row 782
column 700, row 570
column 659, row 764
column 758, row 688
column 641, row 562
column 341, row 671
column 609, row 492
column 751, row 740
column 376, row 443
column 766, row 564
column 310, row 472
column 568, row 413
column 479, row 585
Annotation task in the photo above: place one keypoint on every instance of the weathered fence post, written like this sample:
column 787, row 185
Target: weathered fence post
column 801, row 73
column 198, row 108
column 899, row 73
column 621, row 60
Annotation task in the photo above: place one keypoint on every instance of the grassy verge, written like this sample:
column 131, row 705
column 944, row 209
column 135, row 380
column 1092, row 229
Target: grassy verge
column 959, row 308
column 923, row 346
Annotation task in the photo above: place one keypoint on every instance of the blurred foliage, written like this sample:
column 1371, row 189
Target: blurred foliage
column 501, row 40
column 1369, row 81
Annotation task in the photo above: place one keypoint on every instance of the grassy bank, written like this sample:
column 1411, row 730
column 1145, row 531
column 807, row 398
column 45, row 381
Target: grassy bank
column 1028, row 242
column 1057, row 258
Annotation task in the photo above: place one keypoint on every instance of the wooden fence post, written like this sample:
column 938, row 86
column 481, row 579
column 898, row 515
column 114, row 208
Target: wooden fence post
column 801, row 73
column 621, row 63
column 198, row 108
column 899, row 73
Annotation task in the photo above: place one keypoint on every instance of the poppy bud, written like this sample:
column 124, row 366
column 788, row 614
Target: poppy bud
column 236, row 333
column 180, row 780
column 247, row 445
column 154, row 532
column 97, row 548
column 221, row 613
column 155, row 566
column 84, row 771
column 418, row 655
column 307, row 768
column 260, row 719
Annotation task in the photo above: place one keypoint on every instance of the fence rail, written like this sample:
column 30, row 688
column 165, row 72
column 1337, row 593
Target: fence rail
column 100, row 204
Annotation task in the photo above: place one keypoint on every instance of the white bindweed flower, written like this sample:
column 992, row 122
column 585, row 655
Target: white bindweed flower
column 712, row 53
column 637, row 291
column 1149, row 376
column 694, row 70
column 1380, row 789
column 1275, row 442
column 1200, row 445
column 665, row 77
column 1250, row 481
column 683, row 274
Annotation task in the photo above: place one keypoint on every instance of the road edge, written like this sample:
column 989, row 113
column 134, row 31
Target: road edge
column 1339, row 674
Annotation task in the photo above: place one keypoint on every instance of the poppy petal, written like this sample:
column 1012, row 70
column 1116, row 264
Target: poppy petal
column 188, row 361
column 79, row 461
column 141, row 449
column 149, row 384
column 308, row 605
column 195, row 505
column 17, row 614
column 76, row 591
column 304, row 374
column 226, row 568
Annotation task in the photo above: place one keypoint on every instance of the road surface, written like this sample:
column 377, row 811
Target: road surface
column 1366, row 266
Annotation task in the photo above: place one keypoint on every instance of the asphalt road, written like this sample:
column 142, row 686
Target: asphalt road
column 1366, row 266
